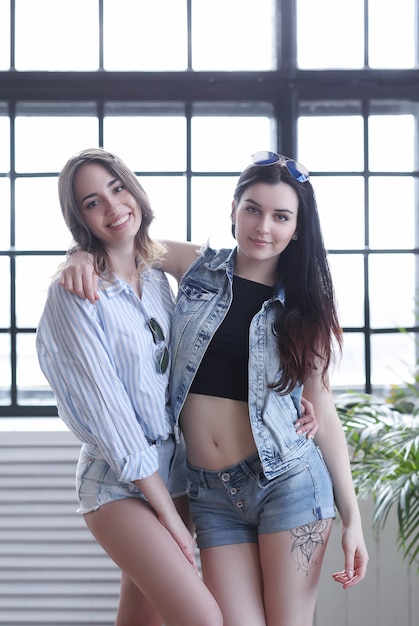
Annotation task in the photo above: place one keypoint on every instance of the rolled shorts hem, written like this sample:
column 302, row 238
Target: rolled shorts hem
column 251, row 537
column 97, row 483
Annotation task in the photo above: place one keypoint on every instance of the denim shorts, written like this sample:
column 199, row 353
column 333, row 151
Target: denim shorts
column 97, row 484
column 237, row 503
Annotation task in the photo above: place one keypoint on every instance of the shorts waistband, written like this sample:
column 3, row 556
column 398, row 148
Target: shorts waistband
column 248, row 468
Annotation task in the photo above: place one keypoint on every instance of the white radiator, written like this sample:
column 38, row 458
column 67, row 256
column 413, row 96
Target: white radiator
column 52, row 572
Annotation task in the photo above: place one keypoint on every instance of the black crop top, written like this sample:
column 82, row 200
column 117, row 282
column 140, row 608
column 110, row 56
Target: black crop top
column 223, row 371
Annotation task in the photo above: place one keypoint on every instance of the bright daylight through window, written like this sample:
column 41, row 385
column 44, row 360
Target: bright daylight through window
column 186, row 107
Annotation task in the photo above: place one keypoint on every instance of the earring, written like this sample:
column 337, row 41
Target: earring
column 295, row 237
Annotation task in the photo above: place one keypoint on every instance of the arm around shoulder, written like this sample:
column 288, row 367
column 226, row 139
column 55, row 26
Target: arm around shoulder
column 180, row 255
column 78, row 275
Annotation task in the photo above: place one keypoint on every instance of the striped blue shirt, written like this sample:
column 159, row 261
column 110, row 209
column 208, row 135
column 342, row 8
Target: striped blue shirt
column 100, row 360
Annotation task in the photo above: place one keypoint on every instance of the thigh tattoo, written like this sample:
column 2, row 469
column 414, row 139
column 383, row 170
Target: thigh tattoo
column 305, row 541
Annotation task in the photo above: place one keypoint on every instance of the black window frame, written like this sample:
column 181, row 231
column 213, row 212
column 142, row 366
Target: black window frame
column 284, row 89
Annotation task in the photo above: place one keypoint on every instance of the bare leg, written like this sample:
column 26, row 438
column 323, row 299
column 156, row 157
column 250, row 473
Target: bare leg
column 131, row 534
column 291, row 564
column 134, row 609
column 233, row 575
column 278, row 577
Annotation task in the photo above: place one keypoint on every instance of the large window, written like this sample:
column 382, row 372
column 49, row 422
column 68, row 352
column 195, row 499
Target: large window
column 185, row 91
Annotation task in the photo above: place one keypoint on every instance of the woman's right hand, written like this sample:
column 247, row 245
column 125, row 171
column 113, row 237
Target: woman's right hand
column 307, row 424
column 79, row 276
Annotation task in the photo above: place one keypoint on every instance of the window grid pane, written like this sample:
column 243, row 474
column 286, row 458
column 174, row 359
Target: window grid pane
column 188, row 139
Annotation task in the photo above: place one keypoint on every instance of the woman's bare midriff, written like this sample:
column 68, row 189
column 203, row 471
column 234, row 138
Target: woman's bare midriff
column 217, row 431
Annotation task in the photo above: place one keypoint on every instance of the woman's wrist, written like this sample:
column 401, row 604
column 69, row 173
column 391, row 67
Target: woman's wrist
column 73, row 250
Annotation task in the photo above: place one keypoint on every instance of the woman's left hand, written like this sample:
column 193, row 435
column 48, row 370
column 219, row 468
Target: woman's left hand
column 356, row 558
column 174, row 524
column 307, row 424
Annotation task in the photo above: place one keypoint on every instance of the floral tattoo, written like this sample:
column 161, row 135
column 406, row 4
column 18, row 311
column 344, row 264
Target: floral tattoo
column 306, row 540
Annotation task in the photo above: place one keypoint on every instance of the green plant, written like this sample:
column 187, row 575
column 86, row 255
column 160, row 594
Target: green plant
column 383, row 440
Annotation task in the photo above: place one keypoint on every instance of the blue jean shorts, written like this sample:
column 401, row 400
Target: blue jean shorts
column 237, row 503
column 97, row 484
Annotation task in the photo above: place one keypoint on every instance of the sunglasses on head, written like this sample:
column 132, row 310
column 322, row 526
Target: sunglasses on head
column 297, row 171
column 158, row 337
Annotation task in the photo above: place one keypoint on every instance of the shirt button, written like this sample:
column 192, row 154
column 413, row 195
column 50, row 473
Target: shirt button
column 240, row 504
column 233, row 491
column 225, row 477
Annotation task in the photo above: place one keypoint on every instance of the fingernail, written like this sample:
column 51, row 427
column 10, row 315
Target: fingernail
column 350, row 574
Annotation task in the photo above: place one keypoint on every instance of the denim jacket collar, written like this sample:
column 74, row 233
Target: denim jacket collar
column 225, row 260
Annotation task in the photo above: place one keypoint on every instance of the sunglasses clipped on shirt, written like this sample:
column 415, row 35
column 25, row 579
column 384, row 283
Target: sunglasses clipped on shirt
column 297, row 170
column 158, row 337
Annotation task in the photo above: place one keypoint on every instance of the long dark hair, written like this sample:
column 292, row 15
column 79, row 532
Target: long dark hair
column 307, row 326
column 148, row 250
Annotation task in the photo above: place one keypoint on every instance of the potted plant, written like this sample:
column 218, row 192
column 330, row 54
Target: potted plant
column 383, row 440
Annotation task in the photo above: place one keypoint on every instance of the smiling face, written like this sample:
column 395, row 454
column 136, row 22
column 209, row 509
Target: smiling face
column 265, row 221
column 108, row 209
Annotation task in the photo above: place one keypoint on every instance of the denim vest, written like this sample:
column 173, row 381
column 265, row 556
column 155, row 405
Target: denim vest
column 204, row 297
